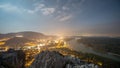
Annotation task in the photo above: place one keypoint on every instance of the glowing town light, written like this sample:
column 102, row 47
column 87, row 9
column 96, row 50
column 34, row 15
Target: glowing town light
column 41, row 45
column 2, row 43
column 56, row 41
column 38, row 47
column 19, row 35
column 61, row 37
column 29, row 47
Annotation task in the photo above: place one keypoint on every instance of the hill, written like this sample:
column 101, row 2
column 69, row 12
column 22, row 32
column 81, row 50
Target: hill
column 26, row 34
column 17, row 41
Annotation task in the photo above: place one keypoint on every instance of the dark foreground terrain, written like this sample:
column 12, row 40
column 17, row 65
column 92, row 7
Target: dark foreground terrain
column 46, row 59
column 53, row 59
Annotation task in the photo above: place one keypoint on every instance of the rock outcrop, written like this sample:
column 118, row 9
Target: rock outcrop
column 12, row 59
column 53, row 59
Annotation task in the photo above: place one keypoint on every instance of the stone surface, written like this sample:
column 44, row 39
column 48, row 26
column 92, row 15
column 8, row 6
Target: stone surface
column 12, row 59
column 53, row 59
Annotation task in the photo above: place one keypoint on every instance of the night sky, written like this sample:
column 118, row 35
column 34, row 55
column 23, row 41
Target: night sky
column 61, row 17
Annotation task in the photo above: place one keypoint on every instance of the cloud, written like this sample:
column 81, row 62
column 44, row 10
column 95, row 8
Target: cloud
column 30, row 11
column 48, row 11
column 38, row 8
column 65, row 8
column 10, row 8
column 43, row 9
column 65, row 18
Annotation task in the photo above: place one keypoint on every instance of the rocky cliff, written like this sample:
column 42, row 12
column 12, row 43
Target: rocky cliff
column 53, row 59
column 12, row 59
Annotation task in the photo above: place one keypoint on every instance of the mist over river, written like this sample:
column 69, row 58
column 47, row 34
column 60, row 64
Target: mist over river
column 80, row 47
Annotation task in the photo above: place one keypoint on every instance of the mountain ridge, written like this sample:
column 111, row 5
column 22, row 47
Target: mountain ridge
column 26, row 34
